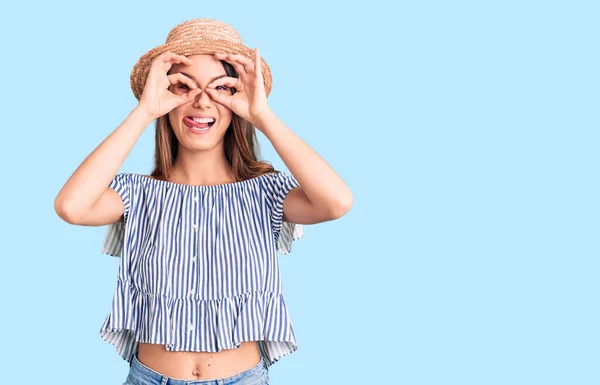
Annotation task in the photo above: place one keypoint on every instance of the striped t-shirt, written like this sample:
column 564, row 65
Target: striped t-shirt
column 198, row 267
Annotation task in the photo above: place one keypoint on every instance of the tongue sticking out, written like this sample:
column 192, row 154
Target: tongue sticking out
column 193, row 123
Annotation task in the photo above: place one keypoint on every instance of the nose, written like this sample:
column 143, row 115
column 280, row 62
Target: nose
column 203, row 99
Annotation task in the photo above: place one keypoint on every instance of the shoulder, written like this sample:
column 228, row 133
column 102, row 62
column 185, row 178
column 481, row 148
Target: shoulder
column 278, row 175
column 277, row 185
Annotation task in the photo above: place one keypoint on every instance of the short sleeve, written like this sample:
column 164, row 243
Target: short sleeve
column 276, row 188
column 121, row 184
column 113, row 239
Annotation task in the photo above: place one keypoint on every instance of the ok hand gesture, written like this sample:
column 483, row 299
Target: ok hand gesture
column 156, row 99
column 250, row 100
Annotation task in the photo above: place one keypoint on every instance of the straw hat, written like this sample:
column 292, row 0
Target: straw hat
column 198, row 36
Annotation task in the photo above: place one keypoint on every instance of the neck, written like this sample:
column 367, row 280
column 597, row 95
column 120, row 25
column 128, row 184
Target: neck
column 202, row 168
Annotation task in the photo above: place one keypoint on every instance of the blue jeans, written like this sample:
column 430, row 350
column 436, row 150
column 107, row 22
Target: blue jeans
column 140, row 374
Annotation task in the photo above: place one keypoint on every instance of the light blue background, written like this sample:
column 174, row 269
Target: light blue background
column 467, row 131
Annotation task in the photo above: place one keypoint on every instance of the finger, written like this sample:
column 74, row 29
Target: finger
column 246, row 62
column 181, row 78
column 257, row 60
column 168, row 55
column 241, row 64
column 228, row 81
column 166, row 60
column 189, row 96
column 221, row 97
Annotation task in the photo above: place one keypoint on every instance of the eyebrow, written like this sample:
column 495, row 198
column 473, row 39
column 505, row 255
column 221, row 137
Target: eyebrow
column 194, row 79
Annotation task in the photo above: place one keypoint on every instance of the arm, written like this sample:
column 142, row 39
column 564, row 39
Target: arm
column 322, row 194
column 90, row 180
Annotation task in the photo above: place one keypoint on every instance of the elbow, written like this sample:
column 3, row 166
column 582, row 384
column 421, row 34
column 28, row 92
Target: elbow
column 343, row 206
column 59, row 209
column 64, row 213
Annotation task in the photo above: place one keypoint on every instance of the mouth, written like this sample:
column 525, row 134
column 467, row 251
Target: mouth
column 199, row 125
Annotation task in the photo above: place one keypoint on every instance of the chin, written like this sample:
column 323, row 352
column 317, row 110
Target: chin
column 201, row 140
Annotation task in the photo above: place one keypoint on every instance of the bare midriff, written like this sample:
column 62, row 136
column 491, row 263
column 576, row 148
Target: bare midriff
column 189, row 366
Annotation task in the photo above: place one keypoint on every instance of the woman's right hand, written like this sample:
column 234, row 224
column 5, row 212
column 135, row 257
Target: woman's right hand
column 156, row 99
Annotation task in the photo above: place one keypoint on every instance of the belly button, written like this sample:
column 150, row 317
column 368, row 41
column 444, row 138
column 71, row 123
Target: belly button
column 196, row 372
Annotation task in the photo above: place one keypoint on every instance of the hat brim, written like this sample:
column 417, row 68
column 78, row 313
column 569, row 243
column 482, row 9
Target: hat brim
column 141, row 68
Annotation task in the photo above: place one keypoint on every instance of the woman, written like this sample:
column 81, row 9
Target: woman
column 198, row 294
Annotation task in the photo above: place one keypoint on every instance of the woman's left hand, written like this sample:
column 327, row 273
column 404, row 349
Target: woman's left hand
column 250, row 100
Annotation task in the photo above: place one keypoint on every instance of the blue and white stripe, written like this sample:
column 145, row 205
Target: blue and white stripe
column 198, row 268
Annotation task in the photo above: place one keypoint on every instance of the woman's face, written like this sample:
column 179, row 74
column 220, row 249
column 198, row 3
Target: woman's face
column 203, row 70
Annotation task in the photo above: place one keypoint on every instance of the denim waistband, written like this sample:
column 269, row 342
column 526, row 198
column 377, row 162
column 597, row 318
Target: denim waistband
column 141, row 374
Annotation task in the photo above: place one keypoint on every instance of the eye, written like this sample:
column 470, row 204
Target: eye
column 181, row 85
column 184, row 85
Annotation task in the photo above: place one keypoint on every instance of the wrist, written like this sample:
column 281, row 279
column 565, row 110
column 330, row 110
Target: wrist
column 142, row 113
column 263, row 118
